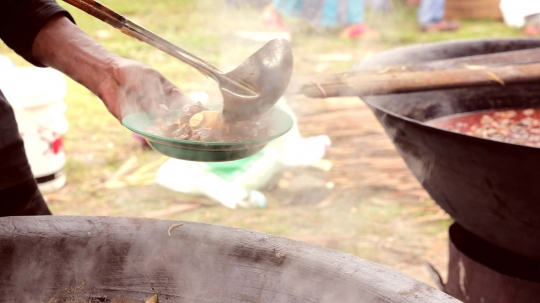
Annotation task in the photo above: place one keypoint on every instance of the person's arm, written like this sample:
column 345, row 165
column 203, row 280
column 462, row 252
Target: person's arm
column 123, row 85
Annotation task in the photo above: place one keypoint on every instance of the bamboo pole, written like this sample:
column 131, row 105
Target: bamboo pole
column 402, row 82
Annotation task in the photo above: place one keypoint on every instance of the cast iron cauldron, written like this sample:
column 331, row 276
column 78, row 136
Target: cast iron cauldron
column 491, row 188
column 105, row 259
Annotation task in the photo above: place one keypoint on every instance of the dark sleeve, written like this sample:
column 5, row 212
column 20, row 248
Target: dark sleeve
column 21, row 20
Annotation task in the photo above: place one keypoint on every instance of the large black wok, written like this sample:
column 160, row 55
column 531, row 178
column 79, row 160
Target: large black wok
column 103, row 259
column 491, row 188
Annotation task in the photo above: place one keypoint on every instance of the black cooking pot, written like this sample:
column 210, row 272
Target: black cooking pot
column 491, row 188
column 103, row 259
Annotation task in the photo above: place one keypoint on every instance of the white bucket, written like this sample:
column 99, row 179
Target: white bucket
column 36, row 95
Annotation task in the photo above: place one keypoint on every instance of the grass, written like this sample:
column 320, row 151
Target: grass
column 361, row 223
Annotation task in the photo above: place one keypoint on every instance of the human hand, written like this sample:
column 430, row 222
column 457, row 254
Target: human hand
column 132, row 87
column 125, row 86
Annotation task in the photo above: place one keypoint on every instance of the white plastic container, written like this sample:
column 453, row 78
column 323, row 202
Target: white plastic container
column 36, row 95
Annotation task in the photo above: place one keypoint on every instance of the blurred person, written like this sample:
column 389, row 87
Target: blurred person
column 431, row 17
column 383, row 6
column 45, row 35
column 345, row 14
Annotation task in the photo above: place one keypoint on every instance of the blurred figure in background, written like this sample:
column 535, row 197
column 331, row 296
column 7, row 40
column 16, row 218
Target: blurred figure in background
column 431, row 17
column 345, row 14
column 381, row 6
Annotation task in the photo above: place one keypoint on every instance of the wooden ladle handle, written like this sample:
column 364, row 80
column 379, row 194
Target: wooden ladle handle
column 99, row 11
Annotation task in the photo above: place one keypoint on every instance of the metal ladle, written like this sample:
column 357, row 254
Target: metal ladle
column 248, row 91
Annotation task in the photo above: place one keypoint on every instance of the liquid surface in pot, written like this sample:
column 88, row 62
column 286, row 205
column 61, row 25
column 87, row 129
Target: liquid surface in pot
column 520, row 126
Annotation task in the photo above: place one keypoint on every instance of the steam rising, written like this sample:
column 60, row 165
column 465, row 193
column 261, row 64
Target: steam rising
column 145, row 90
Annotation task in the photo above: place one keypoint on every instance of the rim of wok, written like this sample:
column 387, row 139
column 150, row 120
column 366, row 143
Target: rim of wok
column 440, row 129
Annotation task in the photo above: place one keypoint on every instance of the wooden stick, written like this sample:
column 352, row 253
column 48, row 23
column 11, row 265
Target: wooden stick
column 151, row 165
column 125, row 168
column 422, row 81
column 526, row 56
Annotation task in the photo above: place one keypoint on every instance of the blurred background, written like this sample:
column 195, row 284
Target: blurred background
column 346, row 188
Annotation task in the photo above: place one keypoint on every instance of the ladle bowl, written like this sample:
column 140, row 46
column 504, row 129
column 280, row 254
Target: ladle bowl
column 269, row 71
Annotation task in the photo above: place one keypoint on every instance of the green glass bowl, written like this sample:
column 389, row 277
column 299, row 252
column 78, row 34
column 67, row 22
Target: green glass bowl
column 280, row 124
